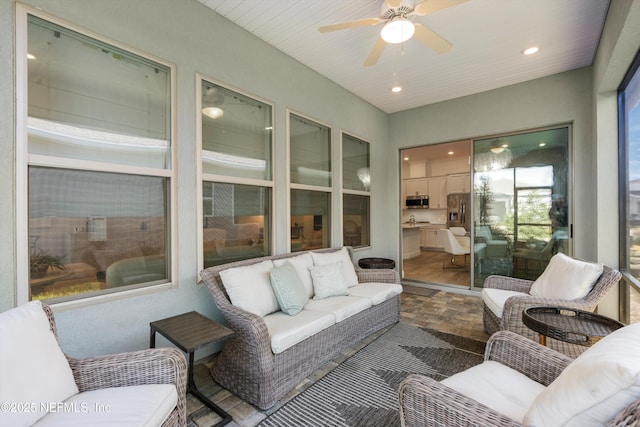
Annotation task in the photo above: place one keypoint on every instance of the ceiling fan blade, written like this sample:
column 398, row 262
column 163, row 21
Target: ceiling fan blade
column 431, row 39
column 429, row 6
column 375, row 53
column 349, row 24
column 393, row 3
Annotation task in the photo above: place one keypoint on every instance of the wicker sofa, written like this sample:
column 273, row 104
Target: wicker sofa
column 247, row 364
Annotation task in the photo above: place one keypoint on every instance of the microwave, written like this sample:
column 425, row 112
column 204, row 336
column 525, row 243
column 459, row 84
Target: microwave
column 417, row 202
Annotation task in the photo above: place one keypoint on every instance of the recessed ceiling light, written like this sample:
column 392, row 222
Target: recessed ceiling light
column 450, row 153
column 406, row 158
column 396, row 88
column 542, row 144
column 31, row 56
column 213, row 112
column 530, row 50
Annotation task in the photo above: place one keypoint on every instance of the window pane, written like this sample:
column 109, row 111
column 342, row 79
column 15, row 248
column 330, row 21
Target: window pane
column 106, row 231
column 236, row 134
column 632, row 124
column 93, row 101
column 355, row 164
column 236, row 222
column 310, row 152
column 520, row 210
column 309, row 220
column 355, row 227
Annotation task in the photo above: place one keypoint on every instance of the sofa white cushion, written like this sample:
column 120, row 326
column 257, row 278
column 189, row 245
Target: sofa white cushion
column 288, row 289
column 511, row 396
column 566, row 278
column 286, row 331
column 33, row 368
column 249, row 288
column 301, row 263
column 328, row 280
column 133, row 406
column 348, row 271
column 342, row 307
column 376, row 292
column 496, row 298
column 596, row 386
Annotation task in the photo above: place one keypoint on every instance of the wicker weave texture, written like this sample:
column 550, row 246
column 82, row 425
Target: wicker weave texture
column 247, row 366
column 153, row 366
column 426, row 402
column 514, row 306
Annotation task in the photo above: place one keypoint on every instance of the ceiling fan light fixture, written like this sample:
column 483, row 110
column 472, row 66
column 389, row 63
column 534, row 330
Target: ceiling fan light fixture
column 530, row 50
column 397, row 30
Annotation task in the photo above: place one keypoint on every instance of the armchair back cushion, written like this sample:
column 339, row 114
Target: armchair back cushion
column 566, row 278
column 595, row 387
column 33, row 368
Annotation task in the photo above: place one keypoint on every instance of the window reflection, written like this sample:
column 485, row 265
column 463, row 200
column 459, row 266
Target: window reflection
column 309, row 220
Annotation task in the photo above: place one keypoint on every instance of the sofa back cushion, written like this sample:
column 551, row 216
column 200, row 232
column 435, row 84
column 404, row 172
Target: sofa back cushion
column 348, row 272
column 249, row 288
column 595, row 387
column 33, row 368
column 328, row 280
column 566, row 278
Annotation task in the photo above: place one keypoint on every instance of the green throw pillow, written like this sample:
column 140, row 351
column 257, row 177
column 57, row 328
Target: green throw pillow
column 289, row 289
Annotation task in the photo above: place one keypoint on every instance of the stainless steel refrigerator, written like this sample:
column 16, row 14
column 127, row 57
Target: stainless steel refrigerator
column 458, row 210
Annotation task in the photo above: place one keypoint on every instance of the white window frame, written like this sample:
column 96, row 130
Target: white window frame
column 24, row 160
column 295, row 186
column 215, row 178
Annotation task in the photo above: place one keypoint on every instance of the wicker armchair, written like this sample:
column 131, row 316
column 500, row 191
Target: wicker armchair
column 144, row 367
column 424, row 401
column 511, row 319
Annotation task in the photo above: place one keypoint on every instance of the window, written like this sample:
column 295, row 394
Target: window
column 98, row 161
column 629, row 108
column 356, row 180
column 237, row 175
column 310, row 177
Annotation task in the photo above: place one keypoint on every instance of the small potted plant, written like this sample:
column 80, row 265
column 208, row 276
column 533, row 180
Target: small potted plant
column 40, row 263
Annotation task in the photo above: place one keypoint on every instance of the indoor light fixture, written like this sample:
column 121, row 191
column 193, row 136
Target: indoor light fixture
column 530, row 50
column 396, row 88
column 31, row 56
column 397, row 30
column 213, row 112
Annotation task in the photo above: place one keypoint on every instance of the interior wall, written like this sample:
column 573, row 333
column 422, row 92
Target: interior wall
column 184, row 32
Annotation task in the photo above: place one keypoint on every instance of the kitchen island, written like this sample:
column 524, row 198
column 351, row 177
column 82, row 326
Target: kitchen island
column 411, row 239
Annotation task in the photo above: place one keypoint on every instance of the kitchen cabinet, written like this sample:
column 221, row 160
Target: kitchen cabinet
column 430, row 237
column 417, row 186
column 459, row 183
column 437, row 191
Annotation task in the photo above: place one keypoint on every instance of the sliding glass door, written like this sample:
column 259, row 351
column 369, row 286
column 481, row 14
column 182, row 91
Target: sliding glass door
column 521, row 202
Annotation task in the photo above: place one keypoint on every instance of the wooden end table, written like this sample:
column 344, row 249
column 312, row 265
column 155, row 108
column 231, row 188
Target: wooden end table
column 189, row 332
column 568, row 325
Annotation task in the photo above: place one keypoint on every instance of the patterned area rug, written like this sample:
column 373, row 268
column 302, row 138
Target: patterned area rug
column 362, row 391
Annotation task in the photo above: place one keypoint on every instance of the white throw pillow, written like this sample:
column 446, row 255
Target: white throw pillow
column 566, row 278
column 33, row 368
column 348, row 272
column 595, row 387
column 328, row 280
column 249, row 288
column 301, row 263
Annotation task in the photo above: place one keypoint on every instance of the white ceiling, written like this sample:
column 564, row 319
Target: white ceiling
column 487, row 36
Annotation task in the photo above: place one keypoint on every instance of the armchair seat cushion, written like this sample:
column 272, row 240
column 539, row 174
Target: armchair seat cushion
column 511, row 396
column 495, row 299
column 134, row 406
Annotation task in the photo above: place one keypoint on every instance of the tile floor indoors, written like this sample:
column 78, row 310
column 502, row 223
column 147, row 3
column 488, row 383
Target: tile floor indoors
column 454, row 313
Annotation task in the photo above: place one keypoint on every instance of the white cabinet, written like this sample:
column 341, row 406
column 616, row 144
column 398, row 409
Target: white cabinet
column 459, row 183
column 429, row 238
column 437, row 191
column 416, row 186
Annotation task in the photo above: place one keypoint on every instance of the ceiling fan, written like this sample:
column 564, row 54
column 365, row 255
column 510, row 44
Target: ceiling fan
column 397, row 16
